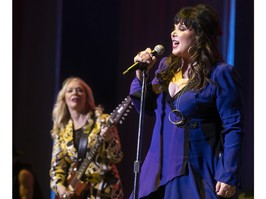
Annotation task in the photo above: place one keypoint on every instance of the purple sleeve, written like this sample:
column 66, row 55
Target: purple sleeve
column 136, row 84
column 229, row 105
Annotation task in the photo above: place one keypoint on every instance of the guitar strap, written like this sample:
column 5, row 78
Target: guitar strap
column 83, row 142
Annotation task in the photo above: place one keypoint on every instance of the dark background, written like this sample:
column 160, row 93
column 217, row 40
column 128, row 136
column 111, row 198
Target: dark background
column 97, row 40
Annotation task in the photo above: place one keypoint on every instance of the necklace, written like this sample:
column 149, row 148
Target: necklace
column 176, row 117
column 78, row 123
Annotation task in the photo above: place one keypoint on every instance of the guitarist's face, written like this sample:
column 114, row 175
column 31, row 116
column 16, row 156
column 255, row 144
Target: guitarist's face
column 75, row 96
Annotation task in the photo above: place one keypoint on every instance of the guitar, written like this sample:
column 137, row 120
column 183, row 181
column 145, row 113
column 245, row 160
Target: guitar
column 74, row 182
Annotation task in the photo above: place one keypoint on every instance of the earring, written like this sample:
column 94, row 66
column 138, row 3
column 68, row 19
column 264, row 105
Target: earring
column 190, row 50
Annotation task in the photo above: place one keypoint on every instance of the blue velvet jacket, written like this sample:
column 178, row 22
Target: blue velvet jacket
column 209, row 141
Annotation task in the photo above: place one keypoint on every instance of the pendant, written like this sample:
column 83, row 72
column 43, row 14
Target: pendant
column 176, row 117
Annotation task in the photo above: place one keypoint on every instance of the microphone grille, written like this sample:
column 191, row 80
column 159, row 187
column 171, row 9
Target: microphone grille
column 159, row 49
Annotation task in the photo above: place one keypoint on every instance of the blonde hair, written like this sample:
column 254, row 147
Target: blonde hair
column 60, row 113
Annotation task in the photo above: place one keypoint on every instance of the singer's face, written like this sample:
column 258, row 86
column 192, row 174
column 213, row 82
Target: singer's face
column 182, row 38
column 75, row 96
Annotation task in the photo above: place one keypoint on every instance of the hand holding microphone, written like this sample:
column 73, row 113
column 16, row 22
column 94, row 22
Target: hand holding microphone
column 145, row 59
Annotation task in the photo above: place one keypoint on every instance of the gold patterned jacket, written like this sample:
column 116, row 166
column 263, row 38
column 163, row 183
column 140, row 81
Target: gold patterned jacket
column 65, row 155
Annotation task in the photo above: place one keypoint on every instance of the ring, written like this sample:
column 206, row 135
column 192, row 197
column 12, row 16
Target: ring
column 227, row 194
column 64, row 196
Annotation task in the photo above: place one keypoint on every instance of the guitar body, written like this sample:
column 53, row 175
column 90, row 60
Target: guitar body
column 75, row 185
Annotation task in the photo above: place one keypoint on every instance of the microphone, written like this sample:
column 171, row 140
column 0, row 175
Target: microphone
column 158, row 50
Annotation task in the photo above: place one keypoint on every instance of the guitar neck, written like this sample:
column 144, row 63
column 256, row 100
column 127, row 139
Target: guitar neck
column 91, row 153
column 114, row 119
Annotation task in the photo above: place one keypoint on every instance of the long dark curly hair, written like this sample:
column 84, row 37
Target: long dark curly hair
column 205, row 54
